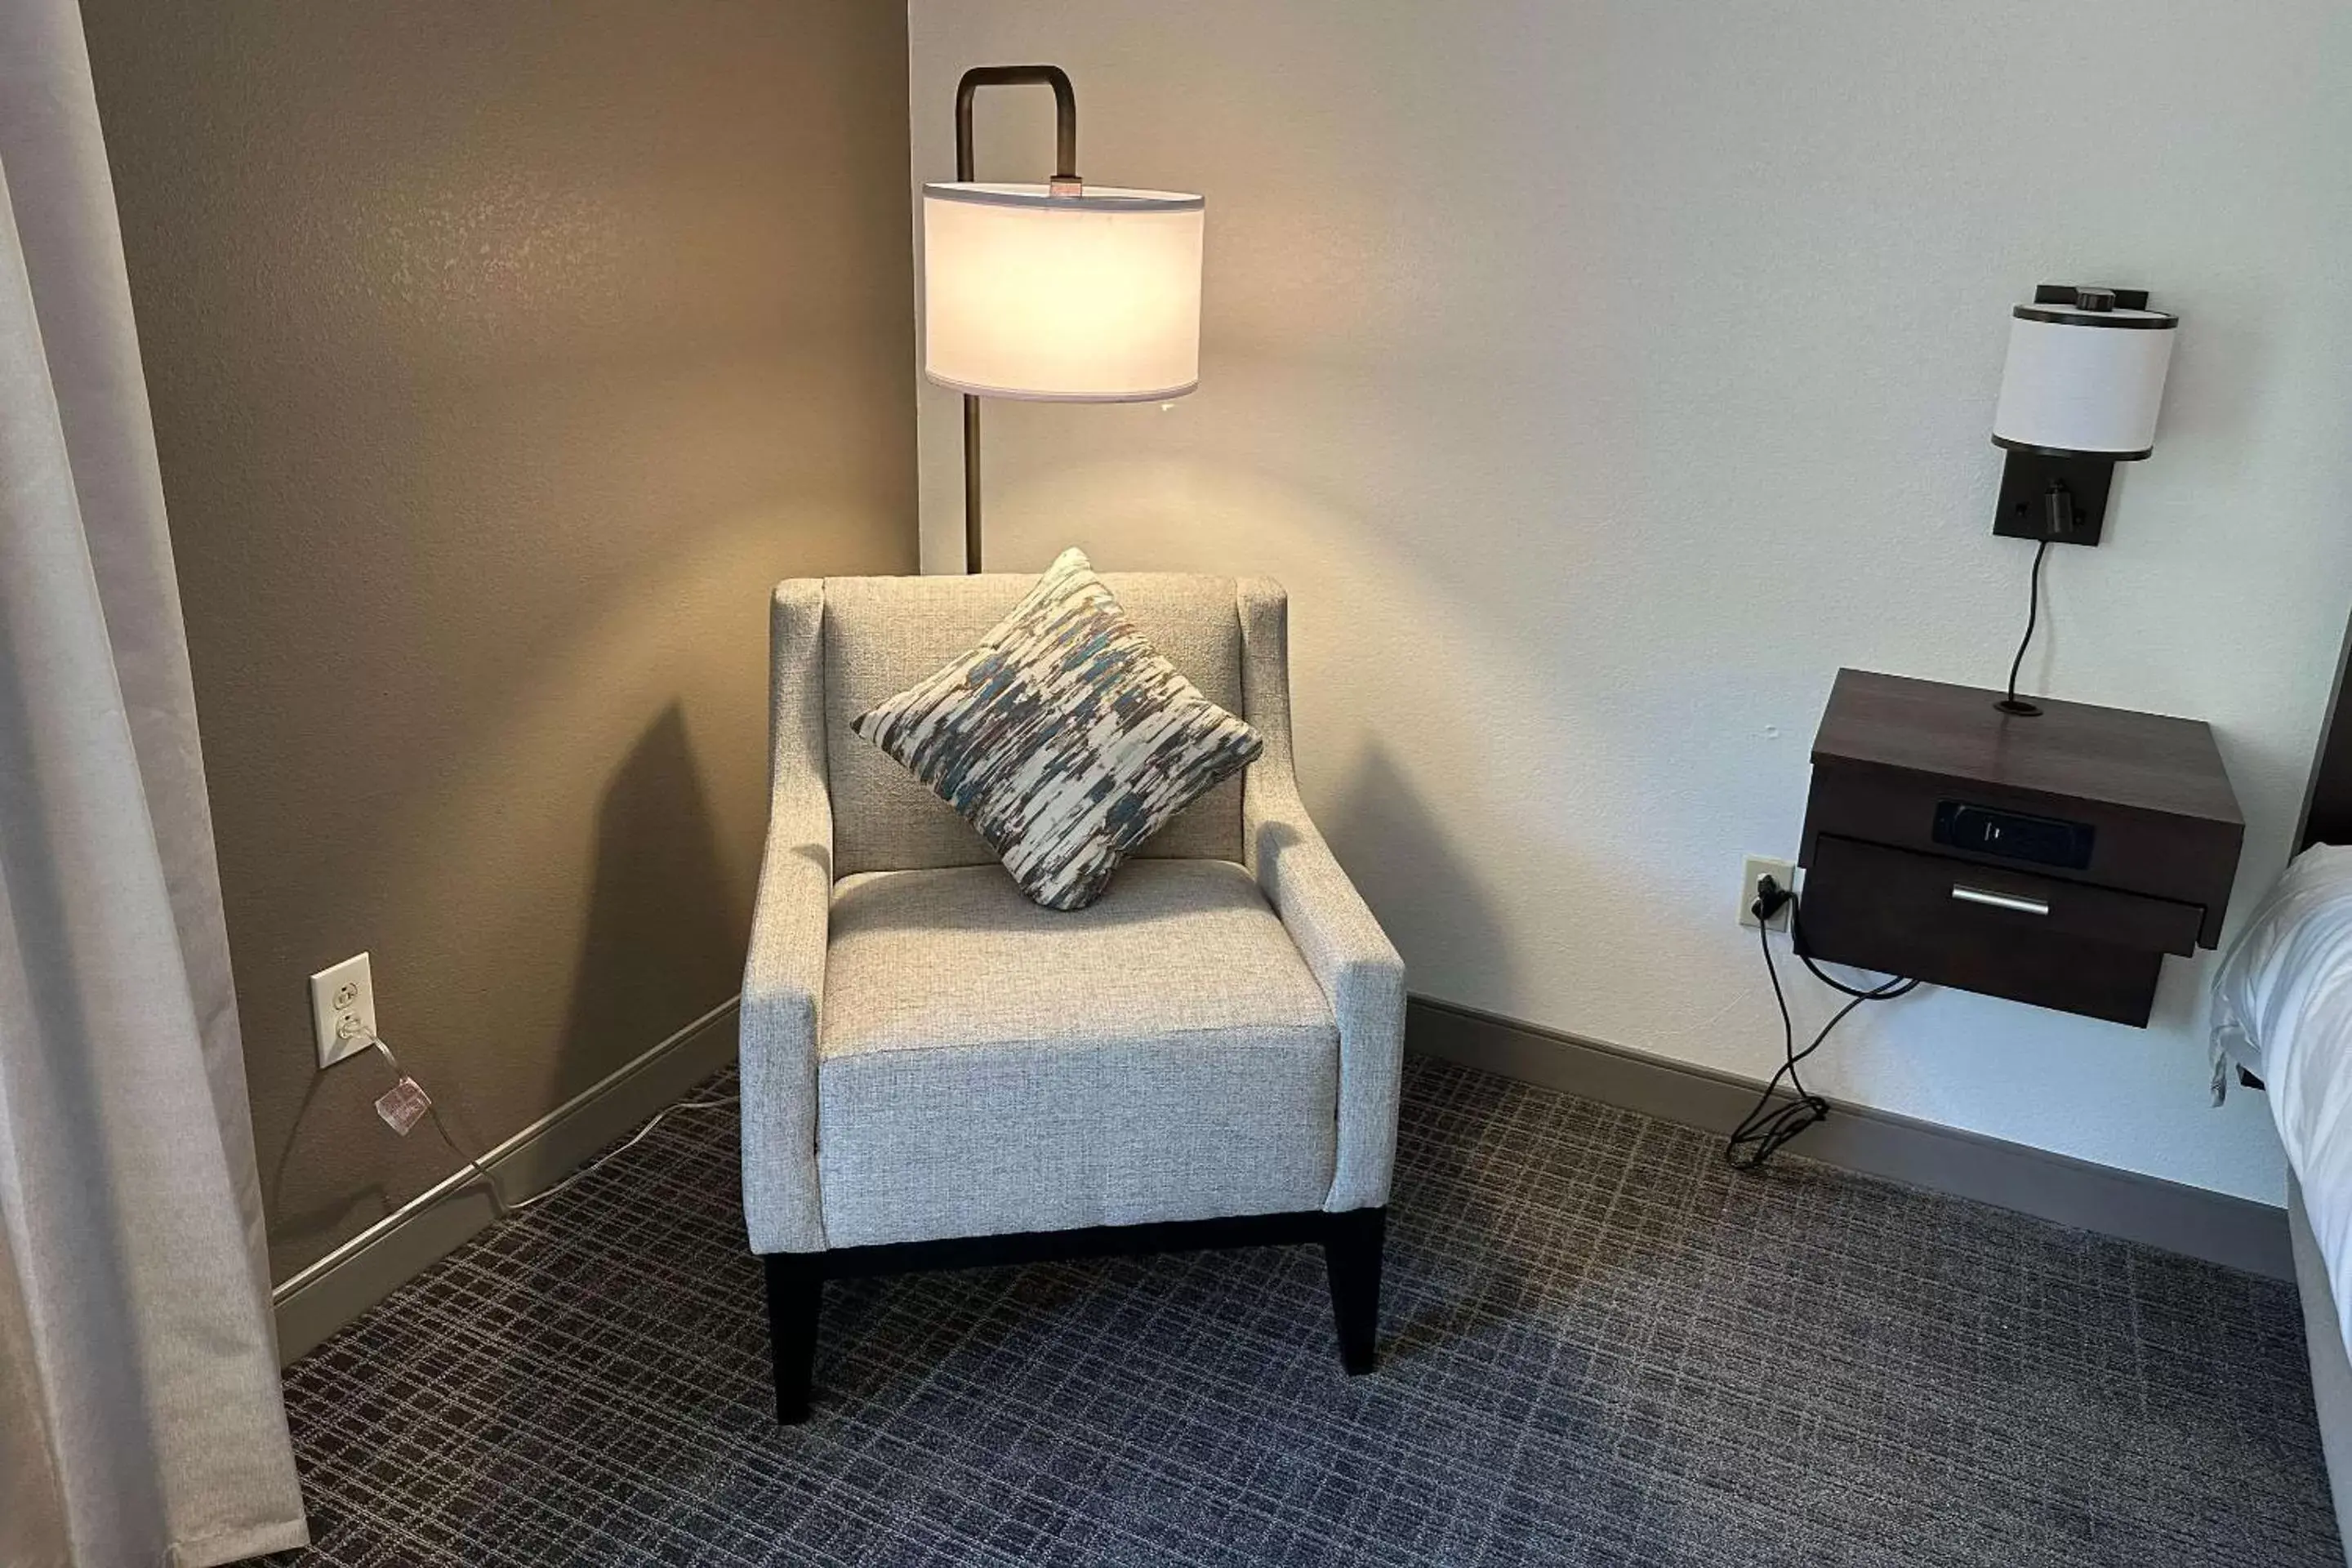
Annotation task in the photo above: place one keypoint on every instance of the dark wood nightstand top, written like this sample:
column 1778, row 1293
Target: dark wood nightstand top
column 2071, row 751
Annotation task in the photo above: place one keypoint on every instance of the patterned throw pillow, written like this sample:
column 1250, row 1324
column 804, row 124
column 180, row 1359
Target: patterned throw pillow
column 1065, row 737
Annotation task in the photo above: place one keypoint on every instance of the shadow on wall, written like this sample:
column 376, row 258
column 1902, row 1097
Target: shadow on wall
column 663, row 943
column 1401, row 858
column 1410, row 871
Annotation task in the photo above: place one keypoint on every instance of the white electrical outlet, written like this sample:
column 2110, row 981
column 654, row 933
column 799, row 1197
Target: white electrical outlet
column 1758, row 867
column 342, row 1009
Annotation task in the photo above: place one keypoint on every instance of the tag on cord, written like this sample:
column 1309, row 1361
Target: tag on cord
column 404, row 1105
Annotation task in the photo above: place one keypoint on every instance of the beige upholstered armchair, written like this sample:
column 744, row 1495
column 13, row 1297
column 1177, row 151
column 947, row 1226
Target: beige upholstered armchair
column 937, row 1073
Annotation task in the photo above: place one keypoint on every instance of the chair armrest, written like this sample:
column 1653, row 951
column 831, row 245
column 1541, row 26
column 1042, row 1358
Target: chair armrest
column 1350, row 957
column 783, row 978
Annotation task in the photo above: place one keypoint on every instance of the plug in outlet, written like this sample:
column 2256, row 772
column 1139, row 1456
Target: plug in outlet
column 342, row 1009
column 1757, row 868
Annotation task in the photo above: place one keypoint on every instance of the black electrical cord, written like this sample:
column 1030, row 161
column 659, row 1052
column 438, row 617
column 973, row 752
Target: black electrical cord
column 1798, row 945
column 2010, row 704
column 1765, row 1129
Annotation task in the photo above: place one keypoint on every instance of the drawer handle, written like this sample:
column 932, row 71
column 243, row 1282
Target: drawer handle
column 2013, row 902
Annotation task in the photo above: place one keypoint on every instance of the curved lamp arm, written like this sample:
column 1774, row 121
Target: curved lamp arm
column 1066, row 113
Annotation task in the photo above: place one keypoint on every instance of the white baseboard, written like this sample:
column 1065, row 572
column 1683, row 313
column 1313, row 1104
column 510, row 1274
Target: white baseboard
column 337, row 1288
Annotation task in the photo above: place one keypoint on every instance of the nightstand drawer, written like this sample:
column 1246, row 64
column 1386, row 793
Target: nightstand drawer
column 2163, row 858
column 1984, row 927
column 1907, row 883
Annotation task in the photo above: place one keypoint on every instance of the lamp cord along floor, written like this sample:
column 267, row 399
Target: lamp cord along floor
column 500, row 1203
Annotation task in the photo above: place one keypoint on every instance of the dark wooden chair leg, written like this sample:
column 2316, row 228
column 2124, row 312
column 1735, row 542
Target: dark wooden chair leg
column 1351, row 1252
column 795, row 1298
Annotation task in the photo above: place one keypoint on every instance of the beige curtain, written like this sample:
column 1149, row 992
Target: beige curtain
column 140, row 1414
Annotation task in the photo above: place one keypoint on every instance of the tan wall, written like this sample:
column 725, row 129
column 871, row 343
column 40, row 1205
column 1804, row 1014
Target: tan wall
column 503, row 356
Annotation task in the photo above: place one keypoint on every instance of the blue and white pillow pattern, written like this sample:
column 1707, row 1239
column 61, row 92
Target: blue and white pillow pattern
column 1063, row 738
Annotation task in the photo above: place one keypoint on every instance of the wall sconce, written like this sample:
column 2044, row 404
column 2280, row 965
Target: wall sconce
column 2079, row 395
column 1059, row 292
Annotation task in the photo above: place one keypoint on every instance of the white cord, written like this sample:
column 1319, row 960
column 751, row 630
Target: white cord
column 601, row 1160
column 490, row 1183
column 433, row 1108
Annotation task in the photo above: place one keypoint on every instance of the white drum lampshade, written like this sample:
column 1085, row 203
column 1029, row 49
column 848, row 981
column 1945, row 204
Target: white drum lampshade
column 2083, row 379
column 2078, row 396
column 1091, row 297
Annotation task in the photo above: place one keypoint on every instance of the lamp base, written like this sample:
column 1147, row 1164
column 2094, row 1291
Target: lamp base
column 2029, row 481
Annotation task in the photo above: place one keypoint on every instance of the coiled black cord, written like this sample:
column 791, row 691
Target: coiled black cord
column 1765, row 1129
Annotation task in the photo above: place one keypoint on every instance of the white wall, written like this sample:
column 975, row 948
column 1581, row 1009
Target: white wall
column 1599, row 377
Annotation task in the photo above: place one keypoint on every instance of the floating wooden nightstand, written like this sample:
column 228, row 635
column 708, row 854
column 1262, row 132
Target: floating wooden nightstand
column 2053, row 859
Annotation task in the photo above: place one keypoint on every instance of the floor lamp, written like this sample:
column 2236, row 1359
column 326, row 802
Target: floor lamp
column 1062, row 292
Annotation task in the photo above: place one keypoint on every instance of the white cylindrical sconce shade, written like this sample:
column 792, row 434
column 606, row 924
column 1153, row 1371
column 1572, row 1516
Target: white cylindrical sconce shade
column 2084, row 381
column 1093, row 298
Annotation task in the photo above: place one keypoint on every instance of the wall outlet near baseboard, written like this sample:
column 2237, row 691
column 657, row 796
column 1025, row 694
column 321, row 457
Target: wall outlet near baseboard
column 1757, row 868
column 342, row 1009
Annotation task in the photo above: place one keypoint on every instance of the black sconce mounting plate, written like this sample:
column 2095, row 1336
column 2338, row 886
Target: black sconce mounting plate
column 2023, row 511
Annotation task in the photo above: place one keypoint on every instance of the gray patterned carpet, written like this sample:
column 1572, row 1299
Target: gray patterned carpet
column 1603, row 1347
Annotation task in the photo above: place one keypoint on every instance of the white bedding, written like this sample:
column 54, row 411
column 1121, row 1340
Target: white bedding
column 2282, row 1010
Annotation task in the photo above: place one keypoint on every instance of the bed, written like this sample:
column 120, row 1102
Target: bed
column 2282, row 1022
column 2331, row 1366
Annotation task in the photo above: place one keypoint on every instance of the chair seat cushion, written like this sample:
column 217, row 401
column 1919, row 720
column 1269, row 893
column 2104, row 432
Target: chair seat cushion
column 986, row 1066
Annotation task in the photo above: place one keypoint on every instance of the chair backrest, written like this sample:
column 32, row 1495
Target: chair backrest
column 884, row 634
